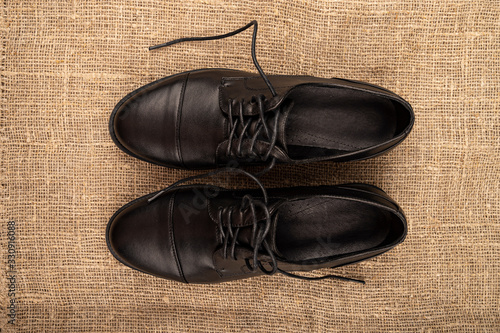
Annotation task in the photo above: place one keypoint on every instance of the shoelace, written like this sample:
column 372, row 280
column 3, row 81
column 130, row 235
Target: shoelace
column 260, row 229
column 240, row 131
column 239, row 128
column 259, row 233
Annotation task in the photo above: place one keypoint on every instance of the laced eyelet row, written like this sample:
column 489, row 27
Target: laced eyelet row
column 258, row 241
column 251, row 128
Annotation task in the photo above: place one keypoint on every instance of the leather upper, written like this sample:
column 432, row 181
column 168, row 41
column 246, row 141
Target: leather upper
column 178, row 234
column 181, row 121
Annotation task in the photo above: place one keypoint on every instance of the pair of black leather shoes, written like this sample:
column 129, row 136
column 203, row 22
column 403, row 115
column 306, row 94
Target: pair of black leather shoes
column 218, row 117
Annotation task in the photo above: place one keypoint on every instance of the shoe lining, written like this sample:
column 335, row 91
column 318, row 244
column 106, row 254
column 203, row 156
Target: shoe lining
column 323, row 227
column 331, row 121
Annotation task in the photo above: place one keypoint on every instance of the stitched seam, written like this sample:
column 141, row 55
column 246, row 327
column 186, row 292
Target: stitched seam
column 217, row 269
column 283, row 123
column 171, row 234
column 276, row 87
column 209, row 208
column 221, row 105
column 225, row 79
column 392, row 96
column 374, row 194
column 178, row 121
column 214, row 260
column 238, row 78
column 218, row 153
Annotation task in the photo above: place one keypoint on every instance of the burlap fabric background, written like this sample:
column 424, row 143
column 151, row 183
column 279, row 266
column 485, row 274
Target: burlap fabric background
column 65, row 65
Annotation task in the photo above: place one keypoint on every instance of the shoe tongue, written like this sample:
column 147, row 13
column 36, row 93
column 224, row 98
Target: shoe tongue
column 244, row 220
column 261, row 144
column 245, row 234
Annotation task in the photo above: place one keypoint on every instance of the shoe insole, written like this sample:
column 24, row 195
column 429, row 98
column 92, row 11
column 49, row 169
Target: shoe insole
column 337, row 119
column 323, row 227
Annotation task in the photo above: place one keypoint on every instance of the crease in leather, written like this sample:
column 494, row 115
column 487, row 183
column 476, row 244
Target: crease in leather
column 172, row 237
column 178, row 121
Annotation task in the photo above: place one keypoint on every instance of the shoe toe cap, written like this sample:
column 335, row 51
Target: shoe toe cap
column 139, row 237
column 144, row 123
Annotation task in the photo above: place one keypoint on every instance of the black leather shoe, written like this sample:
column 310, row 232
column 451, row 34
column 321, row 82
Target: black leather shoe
column 206, row 234
column 206, row 118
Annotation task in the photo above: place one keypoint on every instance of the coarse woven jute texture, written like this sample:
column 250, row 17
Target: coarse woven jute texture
column 65, row 64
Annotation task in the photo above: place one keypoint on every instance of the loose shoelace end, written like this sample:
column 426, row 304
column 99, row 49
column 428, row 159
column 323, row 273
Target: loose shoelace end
column 163, row 44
